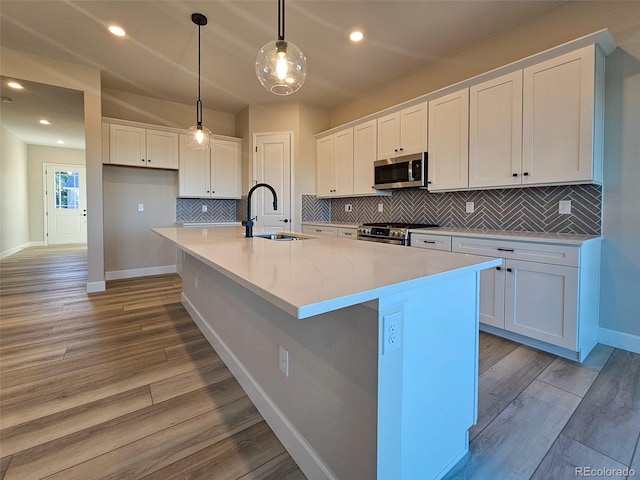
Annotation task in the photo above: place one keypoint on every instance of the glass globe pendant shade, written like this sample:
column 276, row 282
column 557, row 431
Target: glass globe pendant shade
column 199, row 137
column 281, row 67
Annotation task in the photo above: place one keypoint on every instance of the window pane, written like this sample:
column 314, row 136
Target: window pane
column 67, row 190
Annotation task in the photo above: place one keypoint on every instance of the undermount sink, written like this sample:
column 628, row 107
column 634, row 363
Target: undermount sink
column 281, row 237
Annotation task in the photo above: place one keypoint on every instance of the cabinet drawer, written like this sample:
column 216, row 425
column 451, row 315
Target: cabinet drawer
column 432, row 242
column 348, row 233
column 531, row 252
column 318, row 230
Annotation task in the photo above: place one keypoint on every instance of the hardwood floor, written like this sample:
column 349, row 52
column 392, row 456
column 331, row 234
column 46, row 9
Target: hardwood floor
column 121, row 384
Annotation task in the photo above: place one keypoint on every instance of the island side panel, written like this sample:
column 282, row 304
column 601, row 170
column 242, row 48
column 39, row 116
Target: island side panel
column 329, row 399
column 428, row 385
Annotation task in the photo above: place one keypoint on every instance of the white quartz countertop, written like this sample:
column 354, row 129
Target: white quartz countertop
column 318, row 275
column 559, row 238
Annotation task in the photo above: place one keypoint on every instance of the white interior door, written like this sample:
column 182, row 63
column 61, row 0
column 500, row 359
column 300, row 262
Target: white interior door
column 272, row 165
column 65, row 204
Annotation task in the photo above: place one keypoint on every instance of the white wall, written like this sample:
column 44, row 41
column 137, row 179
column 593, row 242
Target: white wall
column 620, row 303
column 37, row 156
column 14, row 200
column 127, row 106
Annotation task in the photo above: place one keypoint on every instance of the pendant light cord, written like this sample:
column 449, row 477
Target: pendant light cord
column 199, row 102
column 280, row 19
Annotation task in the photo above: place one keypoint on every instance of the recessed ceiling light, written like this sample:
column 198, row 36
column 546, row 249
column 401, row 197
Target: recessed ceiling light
column 15, row 85
column 117, row 31
column 45, row 122
column 356, row 36
column 60, row 142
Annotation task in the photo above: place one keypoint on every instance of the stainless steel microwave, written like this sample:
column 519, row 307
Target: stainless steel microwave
column 401, row 172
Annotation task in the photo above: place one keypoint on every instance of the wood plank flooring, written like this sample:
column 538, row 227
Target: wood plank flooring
column 121, row 384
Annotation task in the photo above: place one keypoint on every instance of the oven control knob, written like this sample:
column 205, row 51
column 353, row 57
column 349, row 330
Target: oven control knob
column 367, row 230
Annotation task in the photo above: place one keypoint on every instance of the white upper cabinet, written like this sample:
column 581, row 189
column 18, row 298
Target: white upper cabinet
column 334, row 157
column 364, row 154
column 495, row 132
column 448, row 167
column 142, row 147
column 402, row 132
column 563, row 118
column 212, row 173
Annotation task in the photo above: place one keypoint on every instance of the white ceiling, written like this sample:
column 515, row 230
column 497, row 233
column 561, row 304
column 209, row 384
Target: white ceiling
column 158, row 58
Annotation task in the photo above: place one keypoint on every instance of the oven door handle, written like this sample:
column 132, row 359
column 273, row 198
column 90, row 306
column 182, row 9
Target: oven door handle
column 410, row 172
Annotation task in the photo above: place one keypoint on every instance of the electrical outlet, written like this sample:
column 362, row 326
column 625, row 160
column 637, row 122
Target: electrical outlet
column 380, row 208
column 283, row 360
column 392, row 332
column 348, row 207
column 204, row 209
column 564, row 207
column 141, row 207
column 470, row 208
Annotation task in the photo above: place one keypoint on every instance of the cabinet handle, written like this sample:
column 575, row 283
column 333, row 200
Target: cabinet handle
column 347, row 233
column 526, row 174
column 509, row 270
column 142, row 160
column 401, row 149
column 428, row 241
column 498, row 268
column 318, row 231
column 149, row 160
column 505, row 249
column 515, row 174
column 395, row 150
column 207, row 191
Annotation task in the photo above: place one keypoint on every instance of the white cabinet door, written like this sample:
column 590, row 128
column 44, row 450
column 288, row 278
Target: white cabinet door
column 541, row 302
column 319, row 230
column 141, row 147
column 413, row 129
column 324, row 166
column 364, row 154
column 343, row 162
column 226, row 166
column 495, row 132
column 127, row 145
column 162, row 149
column 492, row 296
column 194, row 172
column 449, row 141
column 389, row 136
column 558, row 118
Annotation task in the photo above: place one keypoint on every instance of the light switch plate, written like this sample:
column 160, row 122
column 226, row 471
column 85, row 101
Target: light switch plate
column 141, row 207
column 564, row 207
column 380, row 207
column 470, row 208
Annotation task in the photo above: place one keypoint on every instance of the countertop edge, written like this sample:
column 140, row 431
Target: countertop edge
column 512, row 235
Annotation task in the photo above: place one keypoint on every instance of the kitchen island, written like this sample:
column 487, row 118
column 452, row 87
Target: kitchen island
column 362, row 357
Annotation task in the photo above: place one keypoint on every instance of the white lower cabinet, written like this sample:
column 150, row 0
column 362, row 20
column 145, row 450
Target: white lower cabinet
column 544, row 294
column 350, row 233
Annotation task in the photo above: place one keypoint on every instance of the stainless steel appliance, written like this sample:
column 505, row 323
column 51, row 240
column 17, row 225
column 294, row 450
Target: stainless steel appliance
column 387, row 232
column 401, row 172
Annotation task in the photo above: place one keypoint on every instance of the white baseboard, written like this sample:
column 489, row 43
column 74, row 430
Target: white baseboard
column 11, row 251
column 140, row 272
column 624, row 341
column 39, row 243
column 304, row 455
column 95, row 287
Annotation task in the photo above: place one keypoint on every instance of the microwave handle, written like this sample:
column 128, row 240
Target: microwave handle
column 410, row 174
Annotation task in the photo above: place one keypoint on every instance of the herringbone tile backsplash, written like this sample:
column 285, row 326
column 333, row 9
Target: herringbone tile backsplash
column 525, row 209
column 190, row 210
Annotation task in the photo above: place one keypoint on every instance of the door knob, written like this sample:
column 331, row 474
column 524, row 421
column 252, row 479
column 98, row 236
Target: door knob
column 286, row 220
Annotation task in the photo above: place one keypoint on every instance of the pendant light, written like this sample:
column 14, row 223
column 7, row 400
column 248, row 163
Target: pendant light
column 199, row 135
column 281, row 66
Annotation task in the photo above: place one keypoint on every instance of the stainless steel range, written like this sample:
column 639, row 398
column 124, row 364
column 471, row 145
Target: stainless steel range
column 388, row 232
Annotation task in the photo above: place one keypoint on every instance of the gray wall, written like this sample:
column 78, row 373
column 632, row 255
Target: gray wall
column 129, row 242
column 14, row 200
